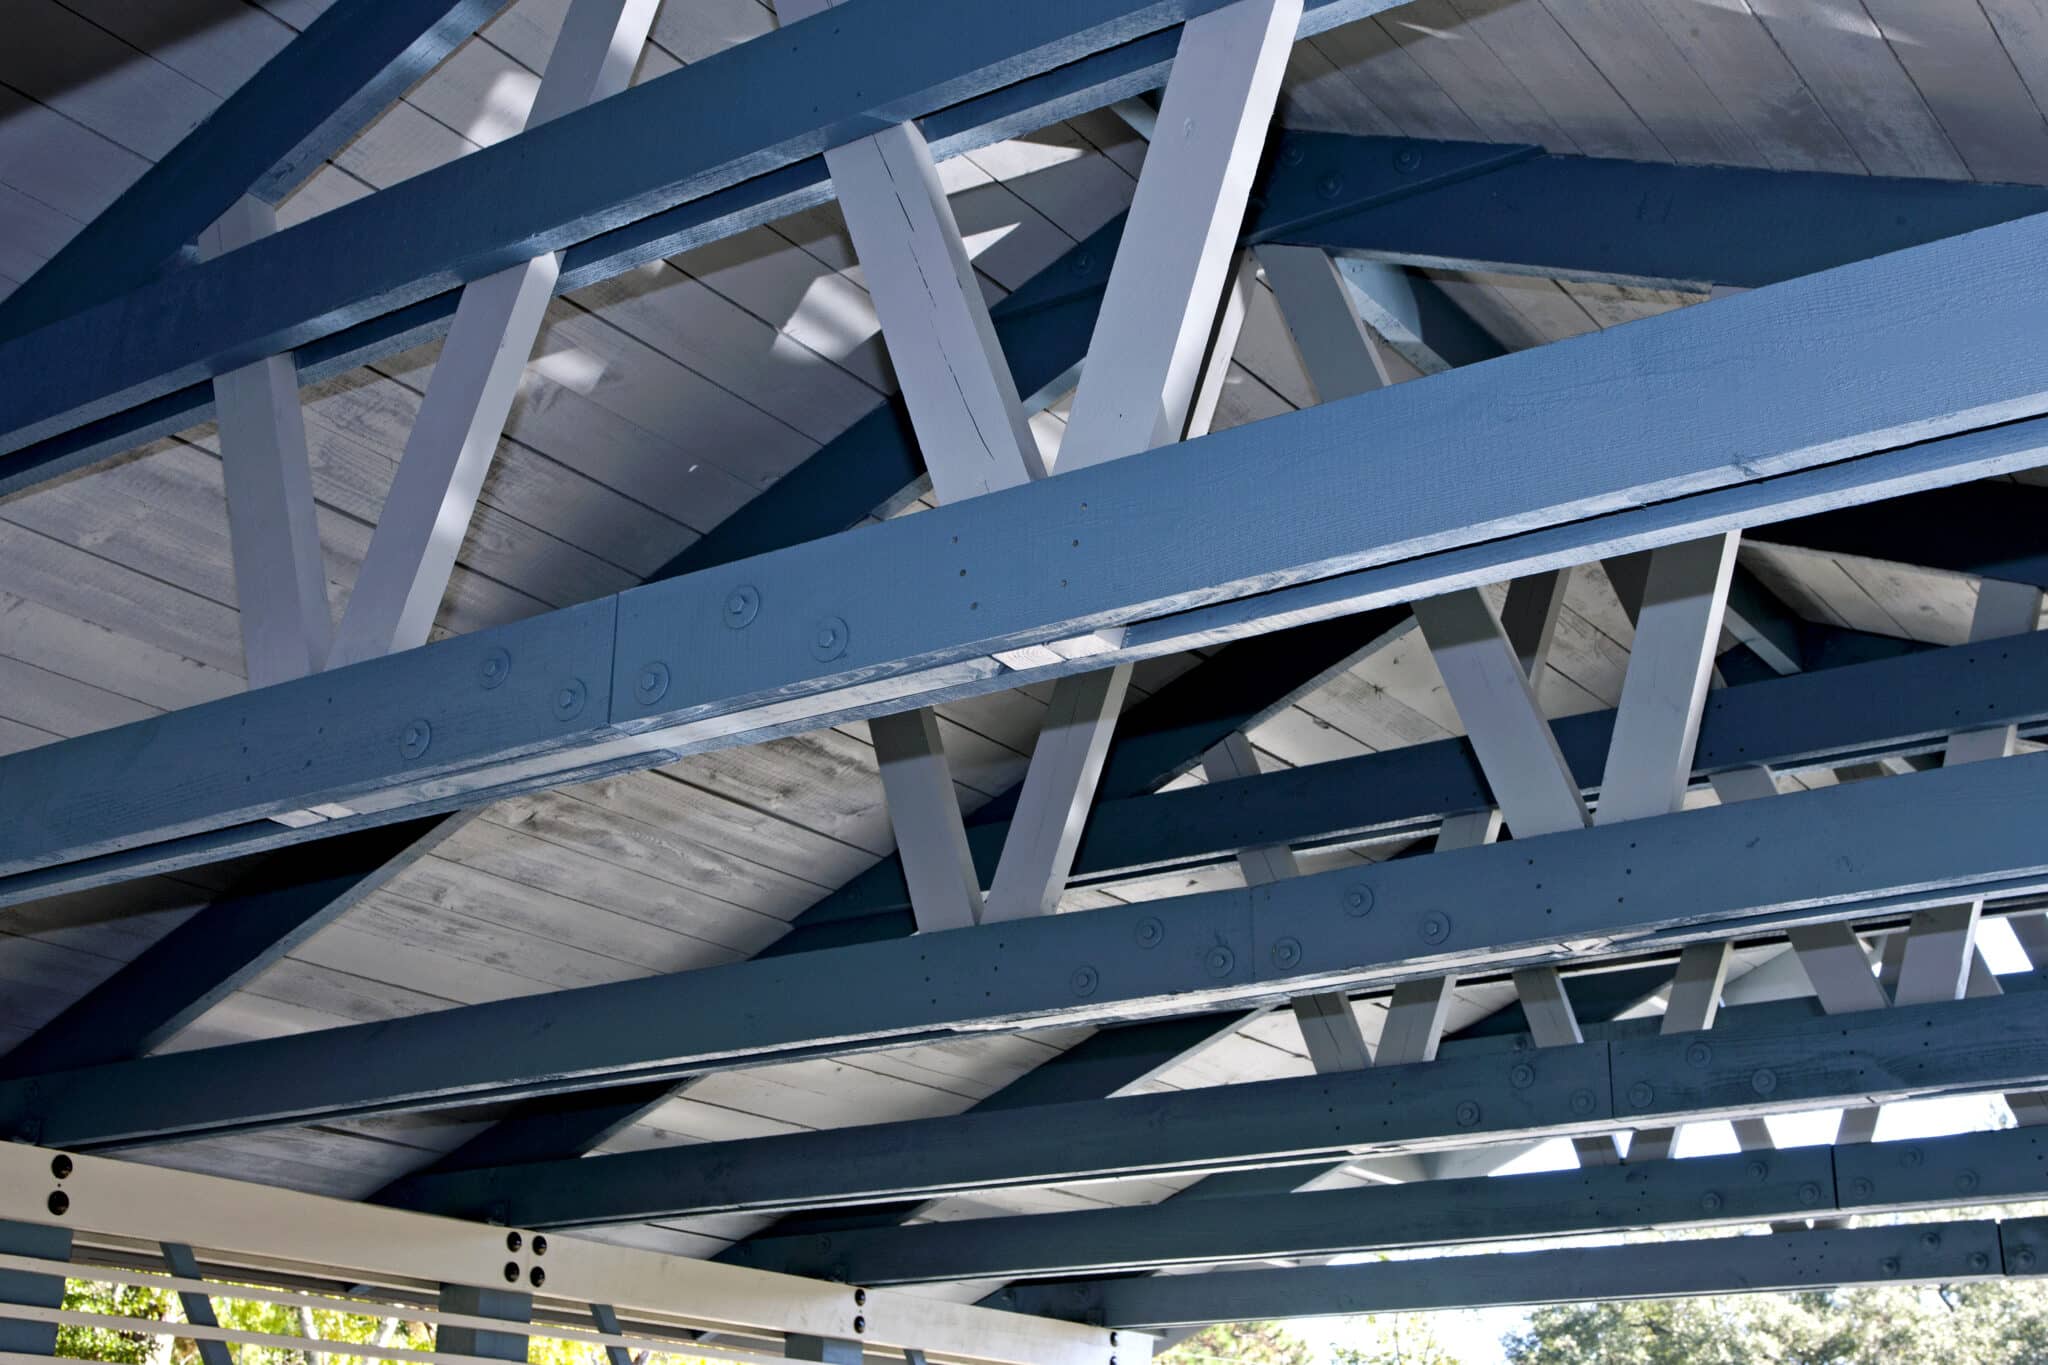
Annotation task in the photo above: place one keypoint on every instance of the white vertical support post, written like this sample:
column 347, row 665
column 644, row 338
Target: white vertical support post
column 1341, row 357
column 1678, row 629
column 1058, row 789
column 1180, row 237
column 961, row 396
column 1237, row 302
column 1328, row 1027
column 1415, row 1021
column 931, row 838
column 1145, row 360
column 449, row 450
column 273, row 525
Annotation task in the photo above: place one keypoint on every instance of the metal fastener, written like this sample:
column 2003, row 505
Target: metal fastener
column 860, row 1324
column 1912, row 1156
column 1966, row 1183
column 652, row 684
column 1698, row 1055
column 60, row 1166
column 1407, row 159
column 1712, row 1201
column 1582, row 1101
column 1521, row 1075
column 513, row 1241
column 414, row 741
column 1861, row 1187
column 1150, row 932
column 1468, row 1113
column 1219, row 960
column 496, row 667
column 59, row 1203
column 1084, row 981
column 1979, row 1261
column 1889, row 1265
column 2023, row 1259
column 1436, row 927
column 1641, row 1093
column 1330, row 186
column 1287, row 953
column 511, row 1272
column 742, row 605
column 569, row 699
column 1931, row 1240
column 1358, row 900
column 540, row 1245
column 1764, row 1081
column 1809, row 1193
column 860, row 1298
column 828, row 638
column 537, row 1277
column 1758, row 1170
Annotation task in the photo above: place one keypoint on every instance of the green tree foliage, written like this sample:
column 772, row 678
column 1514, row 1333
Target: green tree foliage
column 1977, row 1324
column 1396, row 1339
column 1242, row 1343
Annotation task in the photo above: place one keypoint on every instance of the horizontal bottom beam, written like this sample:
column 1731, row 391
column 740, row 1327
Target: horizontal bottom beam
column 1754, row 1187
column 1822, row 1258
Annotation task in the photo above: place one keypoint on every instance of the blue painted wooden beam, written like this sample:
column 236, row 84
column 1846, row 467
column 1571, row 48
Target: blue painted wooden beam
column 223, row 946
column 297, row 110
column 1819, row 1259
column 1842, row 852
column 603, row 167
column 43, row 1243
column 1635, row 222
column 1799, row 1183
column 1332, row 536
column 1465, row 1096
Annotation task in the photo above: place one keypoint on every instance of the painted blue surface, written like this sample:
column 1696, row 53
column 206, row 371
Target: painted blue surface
column 274, row 130
column 1912, row 840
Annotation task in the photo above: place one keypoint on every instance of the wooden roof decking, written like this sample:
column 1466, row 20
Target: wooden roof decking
column 661, row 401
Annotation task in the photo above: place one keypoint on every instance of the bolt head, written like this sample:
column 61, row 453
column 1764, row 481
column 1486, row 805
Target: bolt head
column 1219, row 960
column 1287, row 953
column 414, row 741
column 1436, row 927
column 1698, row 1055
column 1521, row 1075
column 60, row 1166
column 537, row 1277
column 1912, row 1156
column 511, row 1272
column 1641, row 1093
column 1862, row 1188
column 860, row 1324
column 2023, row 1259
column 1809, row 1193
column 569, row 699
column 742, row 605
column 1468, row 1113
column 496, row 667
column 1764, row 1082
column 1758, row 1170
column 1407, row 159
column 1084, row 981
column 1582, row 1101
column 1930, row 1239
column 652, row 684
column 1150, row 932
column 1979, row 1261
column 828, row 639
column 1889, row 1265
column 1330, row 186
column 1712, row 1201
column 1358, row 900
column 1966, row 1183
column 59, row 1203
column 513, row 1241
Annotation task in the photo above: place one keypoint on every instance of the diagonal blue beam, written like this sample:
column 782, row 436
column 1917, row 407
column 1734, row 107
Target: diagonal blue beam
column 1838, row 853
column 1634, row 222
column 223, row 946
column 613, row 163
column 297, row 110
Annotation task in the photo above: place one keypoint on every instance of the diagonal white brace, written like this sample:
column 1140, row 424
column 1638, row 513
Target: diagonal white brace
column 448, row 453
column 1341, row 357
column 1138, row 390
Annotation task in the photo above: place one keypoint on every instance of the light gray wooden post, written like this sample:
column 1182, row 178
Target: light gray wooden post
column 925, row 810
column 824, row 1350
column 1342, row 358
column 30, row 1288
column 440, row 476
column 273, row 525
